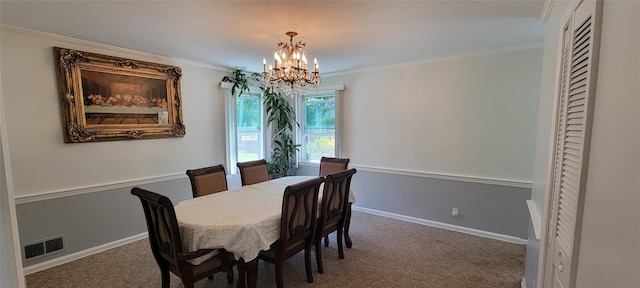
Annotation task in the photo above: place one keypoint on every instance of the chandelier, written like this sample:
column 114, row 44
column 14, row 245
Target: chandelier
column 291, row 74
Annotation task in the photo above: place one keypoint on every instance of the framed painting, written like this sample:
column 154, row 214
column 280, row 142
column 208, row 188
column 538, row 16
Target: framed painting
column 106, row 98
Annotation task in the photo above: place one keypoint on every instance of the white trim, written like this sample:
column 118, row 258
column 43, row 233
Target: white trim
column 443, row 176
column 226, row 85
column 465, row 230
column 523, row 283
column 544, row 263
column 97, row 45
column 535, row 218
column 22, row 199
column 81, row 254
column 452, row 177
column 322, row 89
column 309, row 164
column 546, row 10
column 11, row 204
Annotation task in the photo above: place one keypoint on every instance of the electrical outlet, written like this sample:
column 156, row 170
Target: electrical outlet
column 454, row 212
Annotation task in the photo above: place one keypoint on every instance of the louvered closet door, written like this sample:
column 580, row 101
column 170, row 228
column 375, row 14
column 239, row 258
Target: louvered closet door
column 575, row 109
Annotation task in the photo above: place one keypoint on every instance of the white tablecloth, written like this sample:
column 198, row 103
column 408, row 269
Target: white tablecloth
column 242, row 221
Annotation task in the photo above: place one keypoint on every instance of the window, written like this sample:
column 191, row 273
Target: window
column 249, row 132
column 320, row 123
column 319, row 130
column 244, row 127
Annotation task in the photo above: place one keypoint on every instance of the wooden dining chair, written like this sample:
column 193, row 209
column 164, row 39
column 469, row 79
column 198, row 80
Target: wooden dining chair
column 297, row 227
column 330, row 165
column 335, row 198
column 207, row 180
column 253, row 172
column 166, row 244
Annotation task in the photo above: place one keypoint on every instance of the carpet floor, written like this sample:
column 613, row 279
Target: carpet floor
column 385, row 253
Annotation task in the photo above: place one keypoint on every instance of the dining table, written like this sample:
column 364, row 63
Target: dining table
column 242, row 221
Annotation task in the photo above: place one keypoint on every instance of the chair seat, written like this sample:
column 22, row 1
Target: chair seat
column 269, row 254
column 206, row 266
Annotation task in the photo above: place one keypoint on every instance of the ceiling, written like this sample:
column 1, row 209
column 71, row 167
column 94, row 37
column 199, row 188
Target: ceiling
column 343, row 35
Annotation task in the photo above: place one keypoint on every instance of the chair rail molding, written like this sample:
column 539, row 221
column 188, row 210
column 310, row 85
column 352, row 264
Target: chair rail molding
column 49, row 195
column 445, row 176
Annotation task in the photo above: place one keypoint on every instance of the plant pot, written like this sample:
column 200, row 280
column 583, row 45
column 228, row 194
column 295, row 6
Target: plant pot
column 274, row 176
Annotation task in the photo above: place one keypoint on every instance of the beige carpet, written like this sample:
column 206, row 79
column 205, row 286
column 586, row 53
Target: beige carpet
column 385, row 253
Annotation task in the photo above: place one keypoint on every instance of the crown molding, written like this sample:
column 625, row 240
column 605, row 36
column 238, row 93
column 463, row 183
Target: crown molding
column 546, row 10
column 97, row 45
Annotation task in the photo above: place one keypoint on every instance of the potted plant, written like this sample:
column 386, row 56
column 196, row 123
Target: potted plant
column 280, row 116
column 274, row 170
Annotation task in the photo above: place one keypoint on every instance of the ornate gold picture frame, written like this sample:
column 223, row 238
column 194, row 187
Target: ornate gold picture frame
column 106, row 98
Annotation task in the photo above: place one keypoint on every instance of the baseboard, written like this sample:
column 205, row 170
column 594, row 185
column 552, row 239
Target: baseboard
column 84, row 253
column 523, row 283
column 80, row 254
column 461, row 229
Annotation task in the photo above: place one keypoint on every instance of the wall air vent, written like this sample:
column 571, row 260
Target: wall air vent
column 54, row 245
column 33, row 250
column 43, row 247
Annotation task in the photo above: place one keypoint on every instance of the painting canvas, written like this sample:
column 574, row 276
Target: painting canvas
column 107, row 98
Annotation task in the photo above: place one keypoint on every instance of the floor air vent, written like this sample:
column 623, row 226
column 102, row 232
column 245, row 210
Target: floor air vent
column 43, row 247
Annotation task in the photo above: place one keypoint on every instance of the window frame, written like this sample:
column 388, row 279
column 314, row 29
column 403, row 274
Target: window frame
column 231, row 126
column 337, row 92
column 261, row 132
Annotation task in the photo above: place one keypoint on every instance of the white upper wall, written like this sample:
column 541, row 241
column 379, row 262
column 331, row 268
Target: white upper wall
column 469, row 116
column 609, row 251
column 42, row 163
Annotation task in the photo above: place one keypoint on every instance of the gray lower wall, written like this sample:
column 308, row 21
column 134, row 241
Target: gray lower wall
column 492, row 208
column 94, row 219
